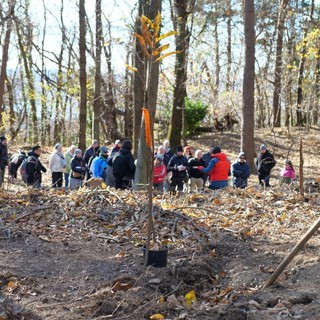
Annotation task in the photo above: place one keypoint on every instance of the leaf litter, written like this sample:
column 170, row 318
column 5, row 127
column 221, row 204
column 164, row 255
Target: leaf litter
column 79, row 255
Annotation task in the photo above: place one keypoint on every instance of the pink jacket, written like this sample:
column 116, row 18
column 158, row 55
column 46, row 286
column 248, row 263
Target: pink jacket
column 288, row 173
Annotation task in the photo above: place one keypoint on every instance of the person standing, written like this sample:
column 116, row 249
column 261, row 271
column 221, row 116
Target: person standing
column 218, row 170
column 116, row 148
column 287, row 174
column 34, row 168
column 240, row 172
column 168, row 154
column 207, row 157
column 94, row 147
column 68, row 156
column 178, row 165
column 3, row 158
column 78, row 170
column 159, row 173
column 196, row 177
column 99, row 164
column 57, row 165
column 123, row 166
column 264, row 164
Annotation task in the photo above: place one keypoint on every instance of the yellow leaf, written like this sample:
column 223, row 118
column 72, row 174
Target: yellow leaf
column 160, row 49
column 157, row 316
column 168, row 54
column 103, row 185
column 11, row 286
column 147, row 21
column 161, row 299
column 166, row 35
column 157, row 23
column 191, row 298
column 142, row 44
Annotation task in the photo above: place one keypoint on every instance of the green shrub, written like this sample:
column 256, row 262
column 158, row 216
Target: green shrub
column 195, row 112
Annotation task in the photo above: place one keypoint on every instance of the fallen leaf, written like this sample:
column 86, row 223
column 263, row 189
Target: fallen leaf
column 157, row 316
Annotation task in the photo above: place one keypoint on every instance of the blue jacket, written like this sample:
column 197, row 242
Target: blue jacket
column 240, row 174
column 99, row 164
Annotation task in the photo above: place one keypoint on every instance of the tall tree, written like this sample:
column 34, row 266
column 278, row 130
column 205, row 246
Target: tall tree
column 181, row 10
column 97, row 75
column 247, row 125
column 83, row 76
column 5, row 53
column 278, row 64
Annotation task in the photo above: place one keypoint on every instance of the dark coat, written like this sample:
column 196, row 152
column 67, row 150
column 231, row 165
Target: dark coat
column 265, row 162
column 122, row 164
column 34, row 169
column 166, row 157
column 176, row 161
column 195, row 173
column 207, row 157
column 240, row 173
column 77, row 165
column 3, row 156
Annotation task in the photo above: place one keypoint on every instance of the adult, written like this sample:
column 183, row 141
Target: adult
column 57, row 164
column 117, row 147
column 34, row 168
column 196, row 177
column 218, row 169
column 168, row 153
column 3, row 158
column 88, row 154
column 264, row 164
column 178, row 165
column 207, row 157
column 78, row 170
column 68, row 157
column 100, row 164
column 187, row 152
column 240, row 172
column 15, row 163
column 123, row 166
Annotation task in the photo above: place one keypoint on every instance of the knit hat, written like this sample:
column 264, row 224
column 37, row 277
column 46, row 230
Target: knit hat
column 117, row 142
column 242, row 154
column 2, row 138
column 288, row 162
column 216, row 150
column 57, row 146
column 179, row 149
column 103, row 150
column 263, row 147
column 78, row 151
column 158, row 157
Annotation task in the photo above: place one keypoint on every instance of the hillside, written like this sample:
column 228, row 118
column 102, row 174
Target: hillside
column 79, row 255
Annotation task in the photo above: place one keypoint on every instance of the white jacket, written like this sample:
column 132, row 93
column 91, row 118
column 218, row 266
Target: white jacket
column 57, row 162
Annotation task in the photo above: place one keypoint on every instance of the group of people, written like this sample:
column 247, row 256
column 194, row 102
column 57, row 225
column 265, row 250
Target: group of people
column 181, row 170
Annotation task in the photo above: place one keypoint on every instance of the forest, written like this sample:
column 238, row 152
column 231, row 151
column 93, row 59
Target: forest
column 232, row 73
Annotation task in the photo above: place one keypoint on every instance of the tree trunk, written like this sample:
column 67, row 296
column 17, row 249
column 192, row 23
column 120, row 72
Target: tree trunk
column 278, row 64
column 247, row 125
column 301, row 118
column 229, row 60
column 97, row 76
column 182, row 10
column 83, row 76
column 4, row 60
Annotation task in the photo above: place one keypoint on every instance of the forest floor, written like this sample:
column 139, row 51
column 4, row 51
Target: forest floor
column 79, row 255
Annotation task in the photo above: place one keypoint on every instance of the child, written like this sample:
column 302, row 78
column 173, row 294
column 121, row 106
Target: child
column 159, row 173
column 287, row 174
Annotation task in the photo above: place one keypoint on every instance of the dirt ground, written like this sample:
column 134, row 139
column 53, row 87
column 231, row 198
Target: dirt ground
column 79, row 255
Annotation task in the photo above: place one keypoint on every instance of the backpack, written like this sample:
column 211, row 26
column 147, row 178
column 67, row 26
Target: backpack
column 23, row 168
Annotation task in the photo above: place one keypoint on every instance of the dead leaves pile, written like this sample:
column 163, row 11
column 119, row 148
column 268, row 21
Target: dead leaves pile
column 183, row 222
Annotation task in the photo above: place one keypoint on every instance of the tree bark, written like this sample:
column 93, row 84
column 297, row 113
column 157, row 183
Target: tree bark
column 83, row 76
column 278, row 64
column 247, row 125
column 182, row 10
column 97, row 76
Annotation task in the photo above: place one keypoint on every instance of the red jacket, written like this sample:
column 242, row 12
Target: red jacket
column 159, row 174
column 221, row 168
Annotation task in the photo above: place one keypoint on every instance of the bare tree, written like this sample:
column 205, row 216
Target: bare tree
column 83, row 76
column 247, row 125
